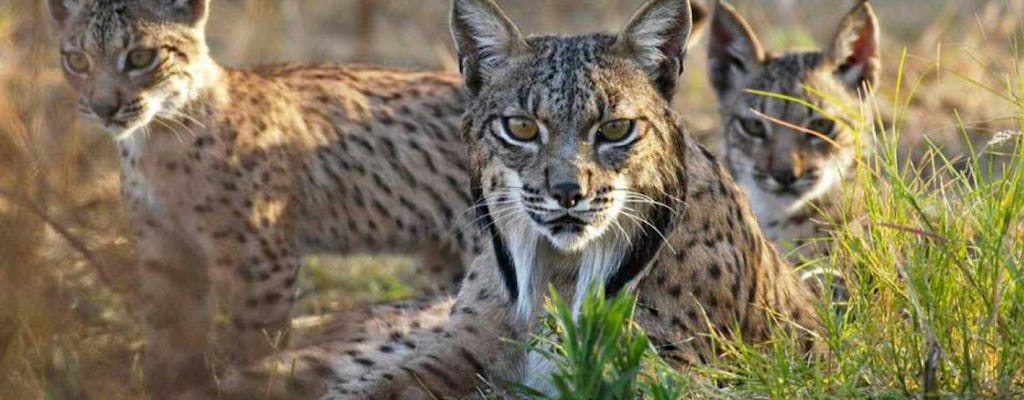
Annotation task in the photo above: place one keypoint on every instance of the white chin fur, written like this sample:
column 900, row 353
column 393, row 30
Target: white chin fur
column 124, row 133
column 571, row 242
column 770, row 206
column 139, row 124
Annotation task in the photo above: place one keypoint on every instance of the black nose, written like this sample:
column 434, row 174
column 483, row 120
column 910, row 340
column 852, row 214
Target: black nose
column 105, row 111
column 784, row 176
column 567, row 194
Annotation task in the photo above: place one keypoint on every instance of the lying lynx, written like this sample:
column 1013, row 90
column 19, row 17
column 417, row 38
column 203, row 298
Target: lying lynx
column 586, row 176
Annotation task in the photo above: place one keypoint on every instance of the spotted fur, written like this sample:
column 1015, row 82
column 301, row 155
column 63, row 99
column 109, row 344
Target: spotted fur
column 231, row 175
column 793, row 158
column 653, row 214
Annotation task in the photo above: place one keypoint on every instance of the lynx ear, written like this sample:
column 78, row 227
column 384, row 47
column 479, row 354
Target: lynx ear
column 188, row 12
column 855, row 48
column 61, row 10
column 656, row 38
column 699, row 20
column 733, row 52
column 484, row 38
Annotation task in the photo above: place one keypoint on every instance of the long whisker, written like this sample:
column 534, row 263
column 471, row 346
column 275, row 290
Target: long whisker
column 483, row 202
column 631, row 195
column 505, row 213
column 164, row 124
column 180, row 114
column 494, row 214
column 628, row 213
column 625, row 235
column 179, row 123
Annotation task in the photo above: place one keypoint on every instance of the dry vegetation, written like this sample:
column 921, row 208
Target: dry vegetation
column 66, row 280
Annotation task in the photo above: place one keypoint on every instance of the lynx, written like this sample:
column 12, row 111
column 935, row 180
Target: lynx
column 585, row 176
column 230, row 175
column 792, row 157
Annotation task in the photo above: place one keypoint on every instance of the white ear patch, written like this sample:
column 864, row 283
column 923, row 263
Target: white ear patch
column 484, row 38
column 488, row 33
column 649, row 39
column 657, row 32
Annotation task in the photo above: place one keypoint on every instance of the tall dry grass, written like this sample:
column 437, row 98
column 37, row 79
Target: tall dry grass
column 66, row 276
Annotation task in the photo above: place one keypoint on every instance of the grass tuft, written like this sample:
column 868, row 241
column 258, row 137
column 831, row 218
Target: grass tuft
column 602, row 354
column 935, row 267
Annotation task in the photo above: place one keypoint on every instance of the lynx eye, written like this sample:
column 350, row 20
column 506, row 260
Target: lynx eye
column 77, row 62
column 754, row 127
column 617, row 130
column 141, row 58
column 521, row 128
column 823, row 126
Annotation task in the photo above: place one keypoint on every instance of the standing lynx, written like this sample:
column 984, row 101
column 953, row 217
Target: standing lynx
column 792, row 156
column 587, row 177
column 230, row 176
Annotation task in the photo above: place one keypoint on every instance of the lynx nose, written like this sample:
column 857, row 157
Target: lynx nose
column 105, row 111
column 785, row 177
column 567, row 194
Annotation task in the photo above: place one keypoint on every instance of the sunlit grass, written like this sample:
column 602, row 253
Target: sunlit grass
column 67, row 334
column 935, row 267
column 603, row 355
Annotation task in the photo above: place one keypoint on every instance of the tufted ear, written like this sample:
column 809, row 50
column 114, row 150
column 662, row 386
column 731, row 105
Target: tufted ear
column 484, row 38
column 733, row 52
column 61, row 10
column 855, row 48
column 656, row 38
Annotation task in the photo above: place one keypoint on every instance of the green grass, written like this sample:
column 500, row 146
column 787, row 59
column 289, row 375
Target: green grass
column 603, row 355
column 334, row 283
column 935, row 263
column 66, row 332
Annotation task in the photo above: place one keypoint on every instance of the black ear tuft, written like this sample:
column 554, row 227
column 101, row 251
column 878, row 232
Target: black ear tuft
column 733, row 52
column 656, row 38
column 855, row 48
column 484, row 38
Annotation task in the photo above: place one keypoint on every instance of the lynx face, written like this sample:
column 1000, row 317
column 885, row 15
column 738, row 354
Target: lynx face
column 564, row 148
column 785, row 151
column 564, row 132
column 792, row 151
column 130, row 61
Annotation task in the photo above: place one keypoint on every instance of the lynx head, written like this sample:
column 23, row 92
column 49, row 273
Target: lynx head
column 572, row 139
column 795, row 150
column 567, row 132
column 131, row 60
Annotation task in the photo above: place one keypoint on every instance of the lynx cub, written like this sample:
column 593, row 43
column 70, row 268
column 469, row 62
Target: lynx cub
column 230, row 175
column 792, row 158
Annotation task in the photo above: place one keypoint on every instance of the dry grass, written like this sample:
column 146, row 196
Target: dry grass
column 66, row 325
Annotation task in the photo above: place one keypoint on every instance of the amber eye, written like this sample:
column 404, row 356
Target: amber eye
column 754, row 127
column 141, row 58
column 823, row 126
column 77, row 62
column 615, row 131
column 521, row 128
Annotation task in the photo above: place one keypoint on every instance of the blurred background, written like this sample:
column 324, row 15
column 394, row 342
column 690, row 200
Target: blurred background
column 66, row 276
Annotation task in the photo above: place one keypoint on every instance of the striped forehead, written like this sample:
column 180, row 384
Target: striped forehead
column 563, row 83
column 105, row 26
column 784, row 75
